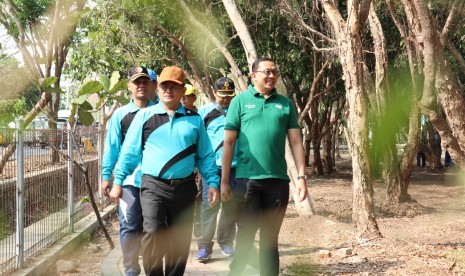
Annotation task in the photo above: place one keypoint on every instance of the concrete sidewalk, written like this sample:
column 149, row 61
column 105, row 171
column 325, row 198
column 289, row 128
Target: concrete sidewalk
column 217, row 265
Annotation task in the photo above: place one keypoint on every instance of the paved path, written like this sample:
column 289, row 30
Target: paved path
column 217, row 265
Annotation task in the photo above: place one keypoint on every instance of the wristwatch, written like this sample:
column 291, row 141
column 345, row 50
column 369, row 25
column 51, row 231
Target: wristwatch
column 304, row 177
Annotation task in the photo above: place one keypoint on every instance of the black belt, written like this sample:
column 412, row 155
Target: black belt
column 174, row 182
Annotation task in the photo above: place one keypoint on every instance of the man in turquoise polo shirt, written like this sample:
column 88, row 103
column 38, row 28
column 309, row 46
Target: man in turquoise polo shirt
column 259, row 119
column 214, row 116
column 168, row 142
column 131, row 218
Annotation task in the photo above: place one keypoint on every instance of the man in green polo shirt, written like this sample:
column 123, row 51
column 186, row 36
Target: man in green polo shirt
column 259, row 120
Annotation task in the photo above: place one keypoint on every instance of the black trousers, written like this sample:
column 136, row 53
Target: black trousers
column 265, row 206
column 168, row 213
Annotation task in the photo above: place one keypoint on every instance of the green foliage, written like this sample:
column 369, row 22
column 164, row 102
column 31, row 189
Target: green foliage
column 90, row 88
column 85, row 117
column 394, row 119
column 122, row 100
column 86, row 106
column 126, row 33
column 106, row 89
column 116, row 84
column 47, row 82
column 32, row 10
column 11, row 109
column 105, row 81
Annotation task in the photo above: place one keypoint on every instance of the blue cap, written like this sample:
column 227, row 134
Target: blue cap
column 152, row 75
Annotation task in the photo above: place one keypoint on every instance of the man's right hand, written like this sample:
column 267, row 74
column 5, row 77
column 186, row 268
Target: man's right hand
column 225, row 189
column 116, row 192
column 106, row 186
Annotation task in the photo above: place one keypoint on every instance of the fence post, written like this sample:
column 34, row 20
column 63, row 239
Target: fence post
column 99, row 156
column 20, row 193
column 70, row 178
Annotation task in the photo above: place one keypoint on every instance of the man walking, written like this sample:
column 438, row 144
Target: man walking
column 214, row 116
column 259, row 120
column 131, row 224
column 169, row 141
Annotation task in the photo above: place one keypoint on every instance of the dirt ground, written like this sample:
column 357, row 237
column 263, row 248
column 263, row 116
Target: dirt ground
column 422, row 237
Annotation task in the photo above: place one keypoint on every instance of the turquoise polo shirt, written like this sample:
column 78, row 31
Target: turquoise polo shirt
column 262, row 126
column 214, row 121
column 155, row 137
column 117, row 127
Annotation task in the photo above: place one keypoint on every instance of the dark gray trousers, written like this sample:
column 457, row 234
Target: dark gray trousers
column 265, row 206
column 168, row 214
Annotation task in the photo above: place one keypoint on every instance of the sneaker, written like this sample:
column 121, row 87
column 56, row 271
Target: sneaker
column 227, row 250
column 203, row 254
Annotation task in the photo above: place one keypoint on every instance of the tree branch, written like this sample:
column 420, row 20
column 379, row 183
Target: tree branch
column 232, row 62
column 84, row 171
column 189, row 56
column 300, row 22
column 312, row 90
column 450, row 18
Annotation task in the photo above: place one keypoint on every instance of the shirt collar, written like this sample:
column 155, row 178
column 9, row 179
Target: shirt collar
column 258, row 94
column 132, row 107
column 160, row 109
column 218, row 106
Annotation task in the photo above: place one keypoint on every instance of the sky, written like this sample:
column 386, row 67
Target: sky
column 8, row 45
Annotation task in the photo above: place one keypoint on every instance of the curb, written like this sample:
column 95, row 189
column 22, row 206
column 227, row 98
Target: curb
column 82, row 228
column 110, row 266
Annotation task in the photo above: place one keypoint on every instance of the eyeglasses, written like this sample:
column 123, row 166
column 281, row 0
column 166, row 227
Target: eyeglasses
column 174, row 88
column 267, row 72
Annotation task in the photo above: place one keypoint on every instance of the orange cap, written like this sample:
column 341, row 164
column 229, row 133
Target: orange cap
column 172, row 73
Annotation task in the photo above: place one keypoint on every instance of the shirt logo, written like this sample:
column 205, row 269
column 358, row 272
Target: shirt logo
column 250, row 106
column 278, row 106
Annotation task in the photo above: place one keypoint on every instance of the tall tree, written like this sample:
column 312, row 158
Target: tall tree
column 42, row 31
column 348, row 34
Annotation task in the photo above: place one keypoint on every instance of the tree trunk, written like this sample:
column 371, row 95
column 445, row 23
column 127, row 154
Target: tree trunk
column 348, row 36
column 242, row 31
column 317, row 162
column 327, row 151
column 408, row 156
column 433, row 147
column 45, row 98
column 50, row 44
column 385, row 150
column 440, row 85
column 398, row 193
column 307, row 147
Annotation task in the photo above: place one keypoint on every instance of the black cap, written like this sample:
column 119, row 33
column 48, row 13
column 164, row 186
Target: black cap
column 137, row 72
column 225, row 87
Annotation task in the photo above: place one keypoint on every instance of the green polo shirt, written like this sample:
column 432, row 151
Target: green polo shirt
column 261, row 125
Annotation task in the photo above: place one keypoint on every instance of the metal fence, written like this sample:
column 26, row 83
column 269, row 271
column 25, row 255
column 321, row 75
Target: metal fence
column 39, row 199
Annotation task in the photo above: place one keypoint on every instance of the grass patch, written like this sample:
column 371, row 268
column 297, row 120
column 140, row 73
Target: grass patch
column 458, row 257
column 301, row 268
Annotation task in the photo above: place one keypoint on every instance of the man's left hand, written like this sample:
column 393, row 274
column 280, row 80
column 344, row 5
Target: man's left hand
column 213, row 196
column 302, row 190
